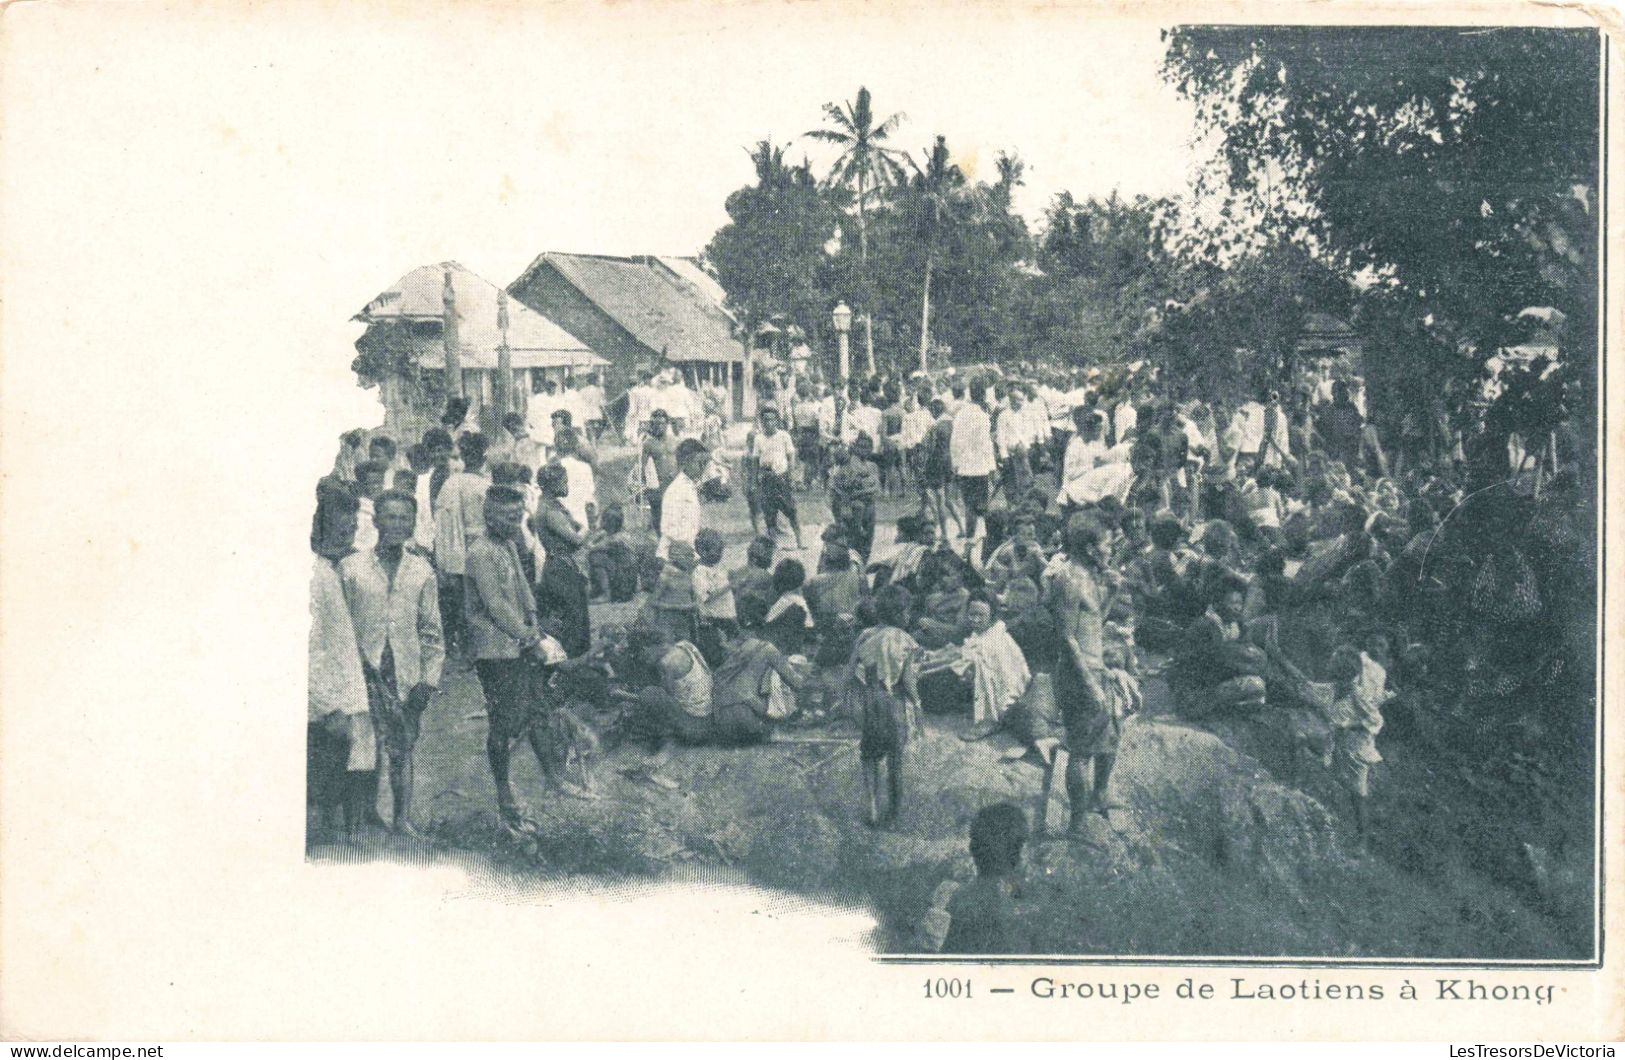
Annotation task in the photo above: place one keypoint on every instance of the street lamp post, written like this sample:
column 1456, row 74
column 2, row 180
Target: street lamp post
column 843, row 324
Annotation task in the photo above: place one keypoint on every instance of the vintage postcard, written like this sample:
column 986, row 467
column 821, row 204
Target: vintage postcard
column 809, row 521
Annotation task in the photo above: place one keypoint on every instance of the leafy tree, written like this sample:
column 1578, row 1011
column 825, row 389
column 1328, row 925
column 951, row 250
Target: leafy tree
column 938, row 202
column 770, row 256
column 1452, row 171
column 1012, row 174
column 1103, row 275
column 866, row 165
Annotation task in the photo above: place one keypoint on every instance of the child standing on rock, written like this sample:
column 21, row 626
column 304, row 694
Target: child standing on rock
column 1356, row 718
column 882, row 688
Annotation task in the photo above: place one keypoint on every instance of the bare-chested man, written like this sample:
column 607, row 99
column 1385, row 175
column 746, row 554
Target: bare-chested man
column 1078, row 595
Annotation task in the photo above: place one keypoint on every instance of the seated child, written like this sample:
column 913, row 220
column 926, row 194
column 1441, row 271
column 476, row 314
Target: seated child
column 1165, row 595
column 832, row 599
column 788, row 622
column 670, row 698
column 756, row 684
column 1017, row 557
column 993, row 664
column 717, row 616
column 673, row 604
column 611, row 563
column 942, row 616
column 753, row 583
column 982, row 913
column 916, row 538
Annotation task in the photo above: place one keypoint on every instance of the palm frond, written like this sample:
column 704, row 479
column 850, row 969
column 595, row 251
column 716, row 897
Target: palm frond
column 828, row 135
column 838, row 117
column 889, row 126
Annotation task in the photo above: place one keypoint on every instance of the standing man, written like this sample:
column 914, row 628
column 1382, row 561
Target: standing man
column 1013, row 434
column 340, row 765
column 435, row 451
column 1077, row 596
column 1275, row 444
column 459, row 520
column 539, row 415
column 395, row 606
column 639, row 402
column 659, row 462
column 517, row 447
column 804, row 415
column 582, row 499
column 917, row 421
column 1341, row 427
column 370, row 476
column 970, row 450
column 502, row 633
column 773, row 456
column 591, row 398
column 564, row 421
column 680, row 505
column 1248, row 429
column 853, row 486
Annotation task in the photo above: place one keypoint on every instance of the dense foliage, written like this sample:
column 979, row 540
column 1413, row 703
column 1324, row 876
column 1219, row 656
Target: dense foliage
column 1452, row 172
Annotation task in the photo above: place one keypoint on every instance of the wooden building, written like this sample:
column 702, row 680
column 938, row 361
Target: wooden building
column 641, row 313
column 439, row 314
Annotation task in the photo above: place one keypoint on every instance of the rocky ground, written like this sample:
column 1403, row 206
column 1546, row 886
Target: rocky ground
column 1212, row 854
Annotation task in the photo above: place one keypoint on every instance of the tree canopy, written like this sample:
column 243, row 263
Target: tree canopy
column 1451, row 172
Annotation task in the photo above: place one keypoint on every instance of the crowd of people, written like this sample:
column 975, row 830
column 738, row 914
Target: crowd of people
column 1059, row 543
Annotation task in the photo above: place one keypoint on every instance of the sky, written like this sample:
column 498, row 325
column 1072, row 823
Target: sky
column 199, row 198
column 609, row 130
column 472, row 134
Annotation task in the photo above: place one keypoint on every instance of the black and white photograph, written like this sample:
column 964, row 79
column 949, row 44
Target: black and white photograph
column 1199, row 565
column 810, row 520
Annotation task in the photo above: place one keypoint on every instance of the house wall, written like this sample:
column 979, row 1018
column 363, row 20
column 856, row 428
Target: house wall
column 551, row 295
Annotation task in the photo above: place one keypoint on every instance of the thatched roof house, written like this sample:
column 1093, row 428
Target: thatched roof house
column 404, row 350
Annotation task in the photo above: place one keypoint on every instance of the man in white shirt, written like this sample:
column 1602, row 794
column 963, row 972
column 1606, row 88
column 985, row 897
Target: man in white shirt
column 1012, row 434
column 581, row 499
column 395, row 608
column 1035, row 414
column 591, row 397
column 680, row 504
column 1125, row 419
column 773, row 454
column 1247, row 428
column 970, row 454
column 568, row 400
column 369, row 483
column 1084, row 452
column 864, row 419
column 639, row 404
column 539, row 415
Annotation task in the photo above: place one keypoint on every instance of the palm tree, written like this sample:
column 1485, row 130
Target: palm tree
column 866, row 165
column 771, row 172
column 1012, row 174
column 941, row 196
